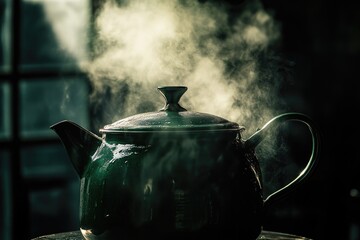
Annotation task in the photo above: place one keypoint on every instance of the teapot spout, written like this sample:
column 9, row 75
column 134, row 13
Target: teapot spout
column 79, row 143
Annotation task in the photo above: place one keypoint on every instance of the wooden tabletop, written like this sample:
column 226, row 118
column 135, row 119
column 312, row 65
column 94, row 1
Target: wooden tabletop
column 75, row 235
column 265, row 235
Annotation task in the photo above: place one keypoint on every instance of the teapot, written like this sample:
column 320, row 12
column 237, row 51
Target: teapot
column 173, row 174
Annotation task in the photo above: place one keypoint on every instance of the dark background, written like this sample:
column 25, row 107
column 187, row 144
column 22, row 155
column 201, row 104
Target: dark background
column 320, row 38
column 323, row 39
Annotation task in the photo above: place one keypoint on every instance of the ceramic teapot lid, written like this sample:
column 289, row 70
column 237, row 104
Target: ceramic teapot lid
column 172, row 117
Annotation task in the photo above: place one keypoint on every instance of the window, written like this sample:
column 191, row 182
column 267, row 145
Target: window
column 44, row 102
column 42, row 43
column 5, row 38
column 56, row 34
column 4, row 111
column 53, row 189
column 5, row 199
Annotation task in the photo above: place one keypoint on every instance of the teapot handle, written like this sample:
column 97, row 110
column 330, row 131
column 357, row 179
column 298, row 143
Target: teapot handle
column 258, row 136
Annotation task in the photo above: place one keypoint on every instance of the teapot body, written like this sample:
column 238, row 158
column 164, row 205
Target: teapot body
column 172, row 185
column 174, row 174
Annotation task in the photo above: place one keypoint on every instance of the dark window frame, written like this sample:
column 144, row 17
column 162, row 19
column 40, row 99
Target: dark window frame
column 19, row 190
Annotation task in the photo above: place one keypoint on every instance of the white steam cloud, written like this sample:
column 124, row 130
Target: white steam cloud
column 69, row 21
column 223, row 60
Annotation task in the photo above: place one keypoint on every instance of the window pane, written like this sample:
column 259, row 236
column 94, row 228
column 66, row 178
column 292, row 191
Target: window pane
column 4, row 111
column 53, row 189
column 46, row 161
column 5, row 25
column 5, row 199
column 45, row 102
column 54, row 210
column 54, row 32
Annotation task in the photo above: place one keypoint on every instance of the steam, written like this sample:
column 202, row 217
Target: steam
column 226, row 60
column 226, row 63
column 63, row 16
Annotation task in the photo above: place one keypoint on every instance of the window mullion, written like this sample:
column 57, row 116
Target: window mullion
column 18, row 195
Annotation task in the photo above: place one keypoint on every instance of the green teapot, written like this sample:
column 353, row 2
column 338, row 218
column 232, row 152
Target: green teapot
column 173, row 174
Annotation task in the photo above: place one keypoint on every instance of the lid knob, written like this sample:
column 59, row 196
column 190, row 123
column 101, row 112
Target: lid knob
column 172, row 95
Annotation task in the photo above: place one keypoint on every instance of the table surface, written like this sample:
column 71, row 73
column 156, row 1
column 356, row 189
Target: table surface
column 265, row 235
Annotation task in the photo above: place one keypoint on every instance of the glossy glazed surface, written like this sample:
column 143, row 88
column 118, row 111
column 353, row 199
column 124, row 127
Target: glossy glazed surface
column 172, row 186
